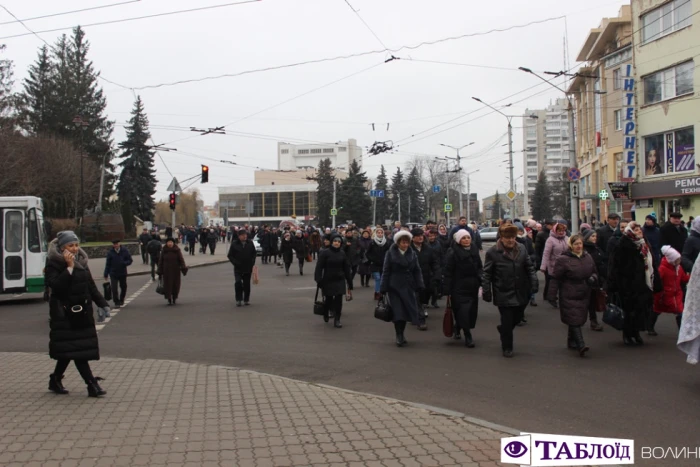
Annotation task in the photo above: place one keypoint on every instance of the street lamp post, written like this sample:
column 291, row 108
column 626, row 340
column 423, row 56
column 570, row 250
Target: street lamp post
column 510, row 148
column 459, row 172
column 80, row 123
column 469, row 195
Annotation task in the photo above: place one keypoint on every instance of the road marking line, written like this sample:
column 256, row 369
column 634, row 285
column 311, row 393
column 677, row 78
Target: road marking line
column 100, row 326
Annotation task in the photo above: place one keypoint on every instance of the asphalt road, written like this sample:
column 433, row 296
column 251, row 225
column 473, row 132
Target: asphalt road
column 649, row 393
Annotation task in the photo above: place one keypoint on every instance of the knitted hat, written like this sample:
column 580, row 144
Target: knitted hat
column 585, row 226
column 401, row 234
column 588, row 234
column 519, row 225
column 460, row 234
column 670, row 253
column 65, row 237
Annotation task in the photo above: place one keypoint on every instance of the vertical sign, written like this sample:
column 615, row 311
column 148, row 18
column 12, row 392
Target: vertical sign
column 629, row 168
column 669, row 153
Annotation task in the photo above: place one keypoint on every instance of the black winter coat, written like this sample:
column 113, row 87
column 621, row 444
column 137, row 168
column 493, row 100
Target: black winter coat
column 529, row 246
column 333, row 272
column 376, row 254
column 300, row 246
column 540, row 242
column 604, row 234
column 509, row 281
column 690, row 252
column 401, row 278
column 569, row 285
column 287, row 250
column 675, row 237
column 463, row 271
column 73, row 335
column 598, row 260
column 653, row 236
column 429, row 262
column 242, row 257
column 351, row 247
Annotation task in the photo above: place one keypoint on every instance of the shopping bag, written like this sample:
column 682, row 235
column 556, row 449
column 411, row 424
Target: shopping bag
column 256, row 277
column 448, row 320
column 107, row 291
column 309, row 258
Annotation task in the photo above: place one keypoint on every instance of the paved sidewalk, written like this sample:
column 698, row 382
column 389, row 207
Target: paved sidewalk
column 170, row 413
column 97, row 265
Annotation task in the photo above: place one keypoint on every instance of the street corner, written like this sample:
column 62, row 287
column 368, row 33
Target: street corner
column 160, row 412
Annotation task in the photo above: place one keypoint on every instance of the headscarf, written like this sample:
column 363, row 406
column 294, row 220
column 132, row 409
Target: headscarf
column 333, row 238
column 643, row 248
column 695, row 226
column 556, row 233
column 377, row 240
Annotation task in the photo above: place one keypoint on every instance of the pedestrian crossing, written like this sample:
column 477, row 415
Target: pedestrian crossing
column 129, row 299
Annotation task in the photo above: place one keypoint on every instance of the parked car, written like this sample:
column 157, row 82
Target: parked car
column 258, row 248
column 489, row 234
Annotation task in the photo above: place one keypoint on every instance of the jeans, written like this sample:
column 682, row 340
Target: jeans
column 510, row 317
column 82, row 365
column 242, row 286
column 118, row 284
column 377, row 276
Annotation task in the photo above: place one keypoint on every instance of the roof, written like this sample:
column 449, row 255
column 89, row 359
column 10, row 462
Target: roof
column 588, row 45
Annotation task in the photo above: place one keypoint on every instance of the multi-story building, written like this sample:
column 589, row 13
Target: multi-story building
column 297, row 156
column 269, row 203
column 546, row 146
column 598, row 94
column 491, row 212
column 660, row 135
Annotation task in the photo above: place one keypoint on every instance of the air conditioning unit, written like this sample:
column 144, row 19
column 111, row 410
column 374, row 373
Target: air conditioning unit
column 685, row 203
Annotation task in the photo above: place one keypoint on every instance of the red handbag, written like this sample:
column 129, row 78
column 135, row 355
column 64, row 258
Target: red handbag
column 600, row 300
column 448, row 320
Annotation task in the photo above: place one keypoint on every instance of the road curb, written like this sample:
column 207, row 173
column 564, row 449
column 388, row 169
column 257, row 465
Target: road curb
column 200, row 265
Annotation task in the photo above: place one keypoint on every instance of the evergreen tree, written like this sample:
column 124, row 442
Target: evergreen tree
column 353, row 196
column 497, row 209
column 416, row 198
column 382, row 183
column 399, row 196
column 38, row 98
column 324, row 194
column 561, row 200
column 137, row 182
column 541, row 199
column 7, row 103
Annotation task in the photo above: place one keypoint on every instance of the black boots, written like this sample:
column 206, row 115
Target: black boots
column 301, row 270
column 679, row 319
column 571, row 340
column 468, row 340
column 399, row 328
column 577, row 334
column 55, row 384
column 652, row 324
column 336, row 321
column 94, row 389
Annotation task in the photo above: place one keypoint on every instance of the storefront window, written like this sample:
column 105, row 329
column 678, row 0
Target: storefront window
column 671, row 152
column 271, row 204
column 257, row 199
column 286, row 204
column 302, row 204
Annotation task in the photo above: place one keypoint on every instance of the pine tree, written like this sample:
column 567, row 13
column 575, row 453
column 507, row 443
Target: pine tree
column 382, row 183
column 399, row 196
column 137, row 181
column 541, row 199
column 324, row 194
column 561, row 200
column 497, row 209
column 7, row 100
column 353, row 197
column 416, row 198
column 39, row 94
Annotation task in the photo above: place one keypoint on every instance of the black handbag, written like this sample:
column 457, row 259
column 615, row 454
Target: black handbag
column 614, row 315
column 383, row 310
column 160, row 289
column 107, row 291
column 319, row 305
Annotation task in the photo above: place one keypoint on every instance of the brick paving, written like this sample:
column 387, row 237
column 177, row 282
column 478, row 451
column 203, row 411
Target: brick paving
column 161, row 412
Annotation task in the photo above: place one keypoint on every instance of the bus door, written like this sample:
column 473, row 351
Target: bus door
column 13, row 271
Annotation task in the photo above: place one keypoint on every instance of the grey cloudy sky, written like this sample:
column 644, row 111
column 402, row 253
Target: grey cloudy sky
column 411, row 94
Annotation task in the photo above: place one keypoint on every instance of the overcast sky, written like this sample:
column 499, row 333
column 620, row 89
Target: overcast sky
column 308, row 102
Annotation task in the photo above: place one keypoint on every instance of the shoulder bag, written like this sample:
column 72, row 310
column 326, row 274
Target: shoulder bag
column 614, row 315
column 319, row 305
column 383, row 310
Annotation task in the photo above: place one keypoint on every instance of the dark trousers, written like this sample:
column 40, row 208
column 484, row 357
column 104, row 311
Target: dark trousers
column 334, row 305
column 510, row 317
column 192, row 244
column 266, row 254
column 154, row 265
column 545, row 293
column 465, row 312
column 364, row 279
column 204, row 248
column 82, row 365
column 242, row 286
column 118, row 284
column 144, row 254
column 353, row 272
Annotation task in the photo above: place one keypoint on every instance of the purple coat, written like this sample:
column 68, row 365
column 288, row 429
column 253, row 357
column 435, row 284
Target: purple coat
column 555, row 247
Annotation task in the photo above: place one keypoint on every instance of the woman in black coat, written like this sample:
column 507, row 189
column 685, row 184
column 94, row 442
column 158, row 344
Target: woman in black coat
column 301, row 248
column 333, row 273
column 73, row 335
column 590, row 239
column 375, row 255
column 634, row 278
column 463, row 274
column 170, row 265
column 287, row 251
column 401, row 278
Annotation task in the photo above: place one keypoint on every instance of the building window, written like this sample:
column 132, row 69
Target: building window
column 342, row 149
column 669, row 152
column 666, row 19
column 328, row 150
column 617, row 79
column 669, row 83
column 316, row 151
column 302, row 151
column 618, row 120
column 284, row 151
column 618, row 57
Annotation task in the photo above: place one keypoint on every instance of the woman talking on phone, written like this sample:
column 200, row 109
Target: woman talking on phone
column 333, row 273
column 73, row 335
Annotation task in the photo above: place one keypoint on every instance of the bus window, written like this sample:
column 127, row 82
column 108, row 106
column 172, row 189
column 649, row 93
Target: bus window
column 13, row 231
column 33, row 228
column 42, row 230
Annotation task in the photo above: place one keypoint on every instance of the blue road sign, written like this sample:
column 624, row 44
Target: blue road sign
column 436, row 189
column 376, row 193
column 574, row 174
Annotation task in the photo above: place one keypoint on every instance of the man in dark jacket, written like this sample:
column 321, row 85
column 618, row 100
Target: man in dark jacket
column 653, row 236
column 352, row 251
column 435, row 244
column 691, row 249
column 118, row 259
column 154, row 247
column 429, row 261
column 614, row 242
column 523, row 239
column 144, row 238
column 242, row 255
column 673, row 233
column 462, row 225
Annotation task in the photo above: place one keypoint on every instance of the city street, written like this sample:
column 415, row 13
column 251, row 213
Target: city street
column 648, row 393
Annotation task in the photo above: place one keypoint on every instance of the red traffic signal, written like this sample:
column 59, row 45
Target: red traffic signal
column 173, row 200
column 205, row 173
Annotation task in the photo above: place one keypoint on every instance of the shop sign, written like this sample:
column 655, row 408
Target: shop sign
column 620, row 190
column 679, row 187
column 629, row 168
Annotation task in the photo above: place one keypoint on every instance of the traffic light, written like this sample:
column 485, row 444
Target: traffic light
column 205, row 173
column 445, row 199
column 173, row 201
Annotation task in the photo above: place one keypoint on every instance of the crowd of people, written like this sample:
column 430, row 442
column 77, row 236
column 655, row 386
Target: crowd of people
column 645, row 270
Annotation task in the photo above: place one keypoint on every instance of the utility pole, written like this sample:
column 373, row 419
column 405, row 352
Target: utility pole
column 374, row 210
column 398, row 195
column 469, row 195
column 335, row 182
column 459, row 173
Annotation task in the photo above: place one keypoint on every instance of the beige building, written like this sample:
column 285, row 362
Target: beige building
column 599, row 102
column 298, row 156
column 664, row 87
column 489, row 210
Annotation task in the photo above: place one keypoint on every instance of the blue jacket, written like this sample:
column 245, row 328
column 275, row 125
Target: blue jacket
column 653, row 236
column 116, row 263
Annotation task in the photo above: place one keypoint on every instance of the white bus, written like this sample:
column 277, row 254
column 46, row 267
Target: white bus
column 24, row 245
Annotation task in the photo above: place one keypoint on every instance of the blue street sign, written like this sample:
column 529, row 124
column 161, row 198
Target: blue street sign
column 380, row 193
column 376, row 193
column 436, row 189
